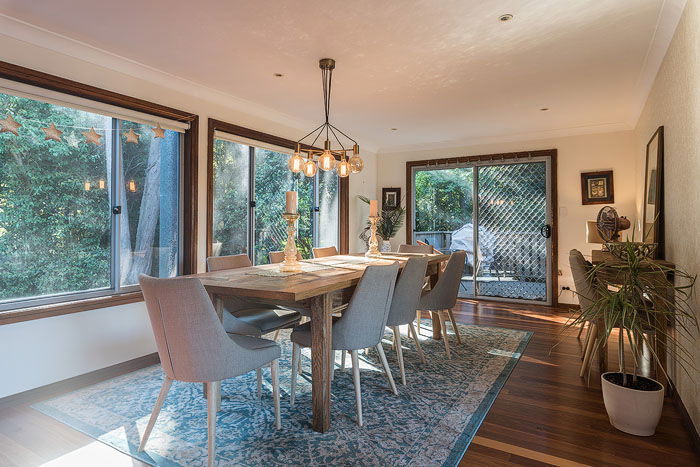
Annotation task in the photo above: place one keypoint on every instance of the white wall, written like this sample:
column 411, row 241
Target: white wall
column 674, row 102
column 576, row 154
column 48, row 350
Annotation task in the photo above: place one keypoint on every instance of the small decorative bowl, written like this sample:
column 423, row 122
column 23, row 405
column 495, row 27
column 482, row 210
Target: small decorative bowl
column 641, row 249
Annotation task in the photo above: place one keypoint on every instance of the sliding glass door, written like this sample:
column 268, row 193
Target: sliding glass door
column 508, row 253
column 249, row 185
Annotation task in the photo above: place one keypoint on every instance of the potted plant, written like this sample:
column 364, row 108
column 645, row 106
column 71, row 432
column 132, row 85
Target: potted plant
column 388, row 225
column 635, row 296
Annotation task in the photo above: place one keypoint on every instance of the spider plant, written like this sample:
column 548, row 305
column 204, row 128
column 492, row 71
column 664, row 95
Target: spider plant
column 636, row 296
column 389, row 223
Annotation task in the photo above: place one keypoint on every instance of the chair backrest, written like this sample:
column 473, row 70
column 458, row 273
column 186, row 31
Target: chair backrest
column 362, row 324
column 325, row 251
column 435, row 250
column 444, row 295
column 278, row 256
column 219, row 263
column 407, row 292
column 580, row 269
column 405, row 248
column 192, row 344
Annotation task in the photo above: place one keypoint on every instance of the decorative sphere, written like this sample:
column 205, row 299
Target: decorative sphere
column 343, row 168
column 296, row 163
column 356, row 163
column 326, row 161
column 310, row 168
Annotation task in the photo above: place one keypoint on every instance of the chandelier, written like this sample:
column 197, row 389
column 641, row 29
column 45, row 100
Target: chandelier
column 303, row 158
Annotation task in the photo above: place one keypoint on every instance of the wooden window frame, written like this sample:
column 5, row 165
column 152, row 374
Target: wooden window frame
column 189, row 178
column 218, row 125
column 548, row 153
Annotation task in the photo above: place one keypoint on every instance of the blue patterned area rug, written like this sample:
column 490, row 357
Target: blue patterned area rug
column 431, row 421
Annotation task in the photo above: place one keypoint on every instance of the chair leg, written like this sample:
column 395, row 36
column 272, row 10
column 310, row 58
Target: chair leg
column 418, row 316
column 296, row 350
column 335, row 354
column 258, row 374
column 387, row 370
column 211, row 422
column 586, row 341
column 274, row 367
column 276, row 335
column 167, row 382
column 455, row 327
column 419, row 349
column 399, row 353
column 356, row 383
column 580, row 330
column 342, row 359
column 441, row 316
column 592, row 343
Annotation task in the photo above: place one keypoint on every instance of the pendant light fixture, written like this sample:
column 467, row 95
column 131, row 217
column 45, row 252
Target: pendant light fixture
column 328, row 158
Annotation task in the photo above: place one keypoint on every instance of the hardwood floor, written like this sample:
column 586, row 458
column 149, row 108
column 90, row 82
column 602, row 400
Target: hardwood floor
column 545, row 414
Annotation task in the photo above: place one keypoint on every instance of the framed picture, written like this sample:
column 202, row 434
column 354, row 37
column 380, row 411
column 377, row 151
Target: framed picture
column 391, row 198
column 597, row 187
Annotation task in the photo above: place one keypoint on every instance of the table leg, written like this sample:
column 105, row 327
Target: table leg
column 321, row 358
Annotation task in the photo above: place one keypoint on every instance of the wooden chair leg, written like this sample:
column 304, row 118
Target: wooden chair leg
column 276, row 335
column 274, row 370
column 167, row 382
column 441, row 316
column 387, row 370
column 211, row 422
column 356, row 383
column 580, row 330
column 586, row 341
column 342, row 359
column 418, row 316
column 592, row 343
column 455, row 327
column 258, row 374
column 419, row 349
column 296, row 350
column 399, row 353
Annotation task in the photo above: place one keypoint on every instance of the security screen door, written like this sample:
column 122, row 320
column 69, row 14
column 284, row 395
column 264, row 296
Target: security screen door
column 508, row 253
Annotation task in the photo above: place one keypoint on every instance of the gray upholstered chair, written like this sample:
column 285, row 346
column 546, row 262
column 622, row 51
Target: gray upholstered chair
column 278, row 256
column 587, row 295
column 325, row 251
column 426, row 249
column 193, row 347
column 361, row 326
column 404, row 305
column 442, row 298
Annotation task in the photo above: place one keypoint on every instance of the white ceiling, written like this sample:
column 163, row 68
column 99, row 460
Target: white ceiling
column 440, row 71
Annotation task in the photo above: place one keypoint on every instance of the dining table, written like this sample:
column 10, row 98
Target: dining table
column 324, row 286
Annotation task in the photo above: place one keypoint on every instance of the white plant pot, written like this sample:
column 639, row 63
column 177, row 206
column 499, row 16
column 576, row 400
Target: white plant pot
column 385, row 246
column 632, row 410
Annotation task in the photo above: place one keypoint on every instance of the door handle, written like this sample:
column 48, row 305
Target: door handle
column 546, row 231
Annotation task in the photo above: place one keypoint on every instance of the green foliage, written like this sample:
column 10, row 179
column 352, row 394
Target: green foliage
column 635, row 295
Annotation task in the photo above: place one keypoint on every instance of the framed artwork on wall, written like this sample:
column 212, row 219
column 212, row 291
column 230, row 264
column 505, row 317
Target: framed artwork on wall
column 597, row 187
column 391, row 198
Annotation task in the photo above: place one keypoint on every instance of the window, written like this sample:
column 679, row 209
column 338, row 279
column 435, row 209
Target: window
column 79, row 219
column 249, row 181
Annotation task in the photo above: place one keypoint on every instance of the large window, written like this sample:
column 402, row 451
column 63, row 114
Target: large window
column 80, row 219
column 248, row 190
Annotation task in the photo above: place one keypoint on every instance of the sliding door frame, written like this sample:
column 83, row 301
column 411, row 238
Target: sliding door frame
column 218, row 125
column 548, row 154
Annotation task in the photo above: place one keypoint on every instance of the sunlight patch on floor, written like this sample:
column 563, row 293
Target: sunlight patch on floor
column 94, row 453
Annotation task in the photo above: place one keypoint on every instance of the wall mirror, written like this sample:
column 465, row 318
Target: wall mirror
column 653, row 220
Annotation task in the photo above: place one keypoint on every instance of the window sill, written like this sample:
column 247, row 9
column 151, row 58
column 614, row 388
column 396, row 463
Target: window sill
column 65, row 308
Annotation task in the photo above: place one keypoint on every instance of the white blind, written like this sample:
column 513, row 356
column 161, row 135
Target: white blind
column 66, row 100
column 251, row 142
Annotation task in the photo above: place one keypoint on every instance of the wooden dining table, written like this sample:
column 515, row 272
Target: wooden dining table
column 316, row 288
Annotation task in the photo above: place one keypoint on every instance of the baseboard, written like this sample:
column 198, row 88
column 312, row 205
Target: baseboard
column 687, row 421
column 76, row 382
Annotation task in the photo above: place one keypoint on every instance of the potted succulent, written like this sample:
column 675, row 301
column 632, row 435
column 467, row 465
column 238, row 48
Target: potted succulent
column 388, row 226
column 635, row 296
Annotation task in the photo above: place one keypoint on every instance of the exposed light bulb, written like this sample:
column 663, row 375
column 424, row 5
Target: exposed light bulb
column 310, row 168
column 343, row 168
column 296, row 163
column 356, row 163
column 326, row 162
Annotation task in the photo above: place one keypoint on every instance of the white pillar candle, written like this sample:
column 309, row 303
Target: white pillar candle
column 373, row 211
column 291, row 206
